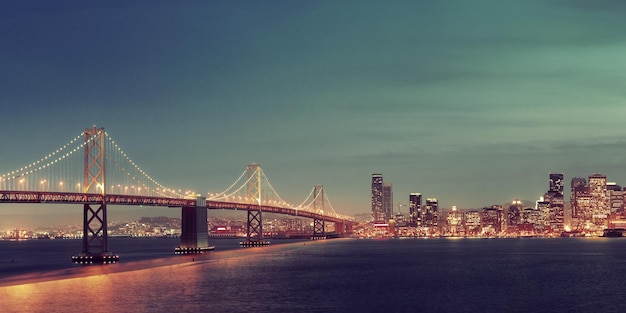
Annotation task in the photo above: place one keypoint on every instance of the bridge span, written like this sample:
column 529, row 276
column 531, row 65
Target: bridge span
column 104, row 175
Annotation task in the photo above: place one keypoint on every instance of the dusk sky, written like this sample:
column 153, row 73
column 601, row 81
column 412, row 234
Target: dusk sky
column 470, row 102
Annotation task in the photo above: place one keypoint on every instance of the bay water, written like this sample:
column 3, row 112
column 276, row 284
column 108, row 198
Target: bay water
column 339, row 275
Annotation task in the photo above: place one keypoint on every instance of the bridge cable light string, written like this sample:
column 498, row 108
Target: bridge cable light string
column 234, row 194
column 307, row 198
column 221, row 194
column 48, row 171
column 271, row 187
column 25, row 169
column 341, row 216
column 125, row 157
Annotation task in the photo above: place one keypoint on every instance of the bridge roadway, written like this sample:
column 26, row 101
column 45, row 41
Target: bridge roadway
column 90, row 198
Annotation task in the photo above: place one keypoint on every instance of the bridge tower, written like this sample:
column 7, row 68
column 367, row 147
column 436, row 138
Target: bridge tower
column 319, row 225
column 254, row 228
column 95, row 237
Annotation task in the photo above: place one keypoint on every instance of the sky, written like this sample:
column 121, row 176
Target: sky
column 470, row 102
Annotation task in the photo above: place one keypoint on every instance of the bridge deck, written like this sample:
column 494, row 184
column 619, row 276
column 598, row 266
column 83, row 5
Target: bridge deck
column 90, row 198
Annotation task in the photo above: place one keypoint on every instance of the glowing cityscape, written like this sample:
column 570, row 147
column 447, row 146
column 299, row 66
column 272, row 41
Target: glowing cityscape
column 595, row 208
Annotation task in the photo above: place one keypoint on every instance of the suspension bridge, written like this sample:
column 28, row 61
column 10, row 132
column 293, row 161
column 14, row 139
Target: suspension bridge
column 93, row 171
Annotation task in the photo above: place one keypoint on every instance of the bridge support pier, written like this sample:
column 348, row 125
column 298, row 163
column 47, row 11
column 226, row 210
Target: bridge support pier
column 194, row 236
column 340, row 228
column 95, row 237
column 319, row 229
column 254, row 230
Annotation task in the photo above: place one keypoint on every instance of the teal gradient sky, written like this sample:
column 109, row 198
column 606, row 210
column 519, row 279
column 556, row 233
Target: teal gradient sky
column 471, row 102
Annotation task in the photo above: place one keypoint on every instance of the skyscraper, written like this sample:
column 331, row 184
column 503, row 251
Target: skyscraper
column 455, row 222
column 514, row 214
column 388, row 201
column 577, row 186
column 555, row 197
column 432, row 212
column 599, row 200
column 472, row 222
column 415, row 207
column 616, row 197
column 556, row 183
column 492, row 220
column 377, row 198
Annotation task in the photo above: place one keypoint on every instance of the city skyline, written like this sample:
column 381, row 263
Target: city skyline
column 472, row 104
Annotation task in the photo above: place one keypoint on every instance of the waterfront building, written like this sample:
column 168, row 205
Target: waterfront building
column 531, row 216
column 387, row 200
column 514, row 214
column 543, row 208
column 455, row 222
column 400, row 219
column 378, row 214
column 415, row 209
column 616, row 197
column 472, row 221
column 493, row 220
column 556, row 215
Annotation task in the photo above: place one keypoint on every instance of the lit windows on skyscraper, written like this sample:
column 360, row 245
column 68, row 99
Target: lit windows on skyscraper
column 415, row 207
column 432, row 212
column 583, row 205
column 543, row 217
column 377, row 198
column 616, row 197
column 556, row 207
column 472, row 222
column 599, row 200
column 577, row 184
column 514, row 214
column 556, row 183
column 455, row 222
column 387, row 201
column 491, row 220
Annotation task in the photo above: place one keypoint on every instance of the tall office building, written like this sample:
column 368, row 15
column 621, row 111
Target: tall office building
column 377, row 198
column 472, row 222
column 455, row 222
column 599, row 200
column 616, row 197
column 431, row 217
column 556, row 184
column 556, row 207
column 514, row 214
column 415, row 208
column 543, row 214
column 388, row 201
column 583, row 207
column 492, row 220
column 578, row 185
